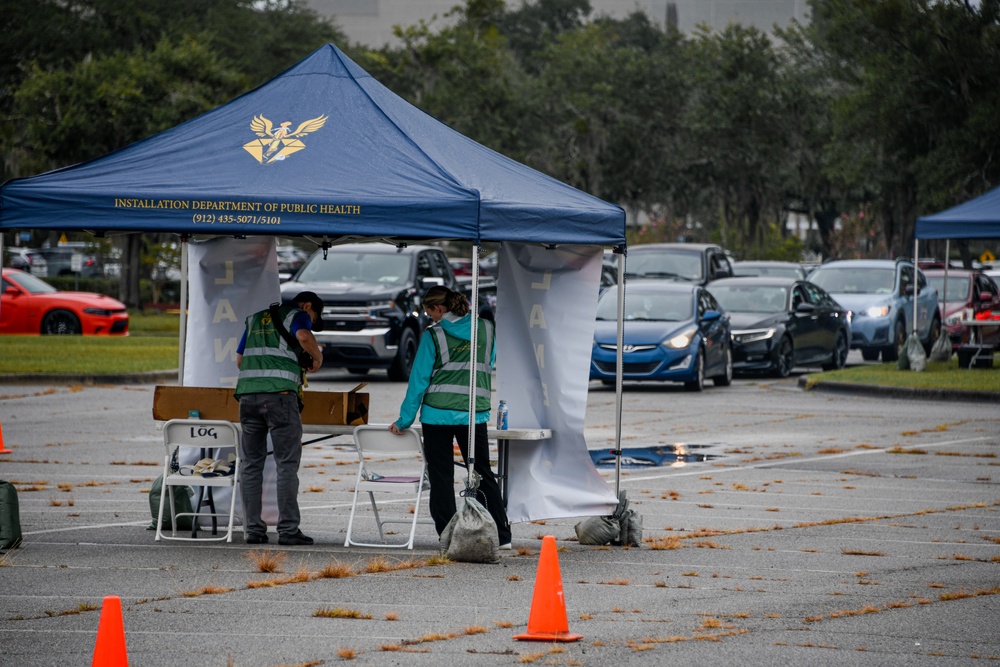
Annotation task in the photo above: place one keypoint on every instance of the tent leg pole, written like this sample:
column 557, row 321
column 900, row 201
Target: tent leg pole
column 944, row 288
column 183, row 325
column 619, row 361
column 474, row 346
column 916, row 283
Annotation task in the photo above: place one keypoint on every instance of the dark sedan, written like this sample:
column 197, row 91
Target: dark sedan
column 674, row 332
column 780, row 323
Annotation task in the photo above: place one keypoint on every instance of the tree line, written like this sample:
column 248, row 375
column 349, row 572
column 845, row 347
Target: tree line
column 876, row 112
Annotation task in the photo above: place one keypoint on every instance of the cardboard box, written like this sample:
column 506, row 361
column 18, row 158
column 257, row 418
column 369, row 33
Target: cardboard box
column 321, row 407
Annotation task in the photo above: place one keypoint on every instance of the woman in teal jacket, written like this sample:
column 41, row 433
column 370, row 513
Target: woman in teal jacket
column 439, row 389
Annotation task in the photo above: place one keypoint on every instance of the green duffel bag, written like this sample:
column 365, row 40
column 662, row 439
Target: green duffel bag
column 182, row 504
column 10, row 517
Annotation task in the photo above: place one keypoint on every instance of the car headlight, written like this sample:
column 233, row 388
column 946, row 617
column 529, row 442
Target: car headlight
column 878, row 311
column 752, row 335
column 955, row 318
column 681, row 340
column 97, row 311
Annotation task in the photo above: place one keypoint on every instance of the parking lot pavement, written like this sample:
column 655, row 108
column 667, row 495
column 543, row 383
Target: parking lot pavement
column 832, row 530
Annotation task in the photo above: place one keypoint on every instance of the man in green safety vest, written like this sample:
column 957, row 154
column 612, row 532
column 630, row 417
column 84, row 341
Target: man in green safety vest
column 269, row 388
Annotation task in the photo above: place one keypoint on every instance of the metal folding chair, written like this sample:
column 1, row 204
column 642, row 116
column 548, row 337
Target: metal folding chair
column 377, row 439
column 211, row 437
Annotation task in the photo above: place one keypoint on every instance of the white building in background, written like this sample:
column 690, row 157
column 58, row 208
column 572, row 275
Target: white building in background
column 370, row 22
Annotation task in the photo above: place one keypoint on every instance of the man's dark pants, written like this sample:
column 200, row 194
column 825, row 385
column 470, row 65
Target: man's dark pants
column 279, row 415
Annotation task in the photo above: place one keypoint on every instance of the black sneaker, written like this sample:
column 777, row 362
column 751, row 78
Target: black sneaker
column 252, row 538
column 295, row 539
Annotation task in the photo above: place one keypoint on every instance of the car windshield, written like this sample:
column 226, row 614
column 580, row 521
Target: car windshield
column 681, row 264
column 765, row 270
column 648, row 306
column 32, row 284
column 358, row 268
column 751, row 298
column 854, row 280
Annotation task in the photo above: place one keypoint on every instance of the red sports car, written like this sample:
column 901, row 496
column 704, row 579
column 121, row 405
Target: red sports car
column 29, row 305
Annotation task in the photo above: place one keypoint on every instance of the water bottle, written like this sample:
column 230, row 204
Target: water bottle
column 502, row 416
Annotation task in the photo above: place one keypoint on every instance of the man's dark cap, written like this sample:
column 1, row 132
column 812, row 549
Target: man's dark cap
column 317, row 306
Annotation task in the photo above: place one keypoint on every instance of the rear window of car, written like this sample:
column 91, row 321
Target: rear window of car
column 682, row 264
column 751, row 298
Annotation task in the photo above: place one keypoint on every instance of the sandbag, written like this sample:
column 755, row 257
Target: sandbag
column 10, row 517
column 471, row 535
column 915, row 353
column 631, row 529
column 942, row 348
column 623, row 527
column 600, row 530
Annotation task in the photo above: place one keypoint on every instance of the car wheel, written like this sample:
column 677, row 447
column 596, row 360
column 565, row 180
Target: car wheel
column 358, row 371
column 891, row 352
column 932, row 334
column 870, row 355
column 403, row 363
column 726, row 378
column 784, row 359
column 698, row 383
column 839, row 355
column 61, row 322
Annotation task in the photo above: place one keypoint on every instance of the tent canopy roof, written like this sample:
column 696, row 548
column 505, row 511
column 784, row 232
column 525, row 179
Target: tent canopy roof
column 322, row 149
column 977, row 218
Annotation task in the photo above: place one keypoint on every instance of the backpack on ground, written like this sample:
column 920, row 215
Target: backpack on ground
column 10, row 517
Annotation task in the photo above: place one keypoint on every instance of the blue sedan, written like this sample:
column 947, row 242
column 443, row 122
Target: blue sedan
column 674, row 332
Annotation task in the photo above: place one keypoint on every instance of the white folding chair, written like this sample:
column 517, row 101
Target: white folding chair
column 211, row 437
column 377, row 439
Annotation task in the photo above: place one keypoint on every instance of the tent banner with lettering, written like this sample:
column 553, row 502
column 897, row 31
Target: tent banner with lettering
column 230, row 280
column 545, row 332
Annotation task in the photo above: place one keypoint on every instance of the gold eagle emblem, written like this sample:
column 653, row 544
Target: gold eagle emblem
column 276, row 144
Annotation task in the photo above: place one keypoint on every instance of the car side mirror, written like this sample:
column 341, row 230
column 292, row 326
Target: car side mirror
column 710, row 315
column 12, row 291
column 805, row 307
column 985, row 296
column 908, row 290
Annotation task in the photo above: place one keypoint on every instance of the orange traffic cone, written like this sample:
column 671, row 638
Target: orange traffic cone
column 3, row 450
column 547, row 621
column 110, row 648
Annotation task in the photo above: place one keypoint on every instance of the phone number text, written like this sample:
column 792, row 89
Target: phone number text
column 211, row 219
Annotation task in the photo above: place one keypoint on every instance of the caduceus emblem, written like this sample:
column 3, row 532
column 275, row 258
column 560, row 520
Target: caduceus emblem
column 276, row 144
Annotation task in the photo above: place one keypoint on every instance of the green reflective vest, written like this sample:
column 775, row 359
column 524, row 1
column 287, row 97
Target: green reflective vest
column 449, row 386
column 269, row 366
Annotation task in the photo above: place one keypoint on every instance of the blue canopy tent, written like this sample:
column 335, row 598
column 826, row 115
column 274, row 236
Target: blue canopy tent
column 322, row 149
column 977, row 218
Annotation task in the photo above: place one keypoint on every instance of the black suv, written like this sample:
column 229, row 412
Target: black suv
column 698, row 263
column 372, row 296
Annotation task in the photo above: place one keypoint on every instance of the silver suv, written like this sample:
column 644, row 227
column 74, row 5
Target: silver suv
column 880, row 295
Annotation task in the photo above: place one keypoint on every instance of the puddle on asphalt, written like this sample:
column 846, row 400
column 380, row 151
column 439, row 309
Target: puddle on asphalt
column 677, row 456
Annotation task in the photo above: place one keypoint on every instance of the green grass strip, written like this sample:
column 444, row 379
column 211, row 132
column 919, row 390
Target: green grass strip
column 87, row 354
column 945, row 375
